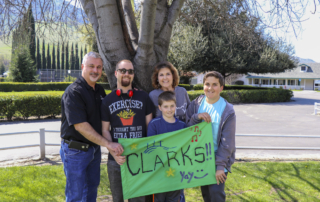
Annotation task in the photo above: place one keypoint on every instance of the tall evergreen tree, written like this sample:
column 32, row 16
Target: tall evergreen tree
column 58, row 56
column 31, row 33
column 53, row 55
column 67, row 57
column 22, row 67
column 62, row 56
column 2, row 69
column 81, row 57
column 48, row 57
column 39, row 66
column 44, row 62
column 85, row 49
column 72, row 58
column 76, row 57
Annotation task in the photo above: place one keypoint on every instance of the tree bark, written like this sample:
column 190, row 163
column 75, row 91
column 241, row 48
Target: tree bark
column 117, row 36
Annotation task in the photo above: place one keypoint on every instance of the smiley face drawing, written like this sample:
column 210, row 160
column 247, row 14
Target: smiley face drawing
column 202, row 176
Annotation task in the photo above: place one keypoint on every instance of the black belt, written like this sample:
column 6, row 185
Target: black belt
column 77, row 145
column 66, row 141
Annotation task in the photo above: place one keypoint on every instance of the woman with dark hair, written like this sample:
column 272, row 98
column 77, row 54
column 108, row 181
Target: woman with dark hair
column 165, row 78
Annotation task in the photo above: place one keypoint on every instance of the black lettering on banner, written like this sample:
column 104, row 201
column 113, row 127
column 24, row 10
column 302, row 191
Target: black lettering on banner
column 172, row 158
column 142, row 165
column 184, row 155
column 156, row 162
column 133, row 174
column 196, row 154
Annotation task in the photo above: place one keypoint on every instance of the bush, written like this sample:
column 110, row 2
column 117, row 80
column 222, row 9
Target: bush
column 186, row 86
column 27, row 104
column 41, row 86
column 231, row 87
column 198, row 87
column 30, row 105
column 250, row 96
column 69, row 79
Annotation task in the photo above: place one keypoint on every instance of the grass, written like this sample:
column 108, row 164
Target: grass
column 262, row 181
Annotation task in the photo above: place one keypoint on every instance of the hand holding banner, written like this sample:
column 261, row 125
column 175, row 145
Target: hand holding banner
column 167, row 162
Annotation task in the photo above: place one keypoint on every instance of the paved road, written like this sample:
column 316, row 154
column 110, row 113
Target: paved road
column 290, row 118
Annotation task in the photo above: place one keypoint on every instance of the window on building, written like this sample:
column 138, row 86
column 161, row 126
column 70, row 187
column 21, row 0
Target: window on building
column 256, row 81
column 303, row 68
column 265, row 81
column 250, row 81
column 291, row 82
column 281, row 82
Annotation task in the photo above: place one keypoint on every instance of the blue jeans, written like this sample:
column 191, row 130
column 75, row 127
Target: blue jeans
column 82, row 170
column 214, row 192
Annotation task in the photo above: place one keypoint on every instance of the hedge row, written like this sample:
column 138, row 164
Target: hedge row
column 30, row 105
column 251, row 96
column 186, row 86
column 49, row 103
column 41, row 86
column 231, row 87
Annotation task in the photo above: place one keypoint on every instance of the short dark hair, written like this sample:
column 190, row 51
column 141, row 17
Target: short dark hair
column 166, row 96
column 216, row 75
column 161, row 65
column 125, row 60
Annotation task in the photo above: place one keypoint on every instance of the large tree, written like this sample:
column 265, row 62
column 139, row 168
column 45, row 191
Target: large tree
column 116, row 31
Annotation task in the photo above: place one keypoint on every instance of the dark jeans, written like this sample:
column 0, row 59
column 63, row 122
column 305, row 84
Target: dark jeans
column 82, row 170
column 213, row 192
column 171, row 196
column 114, row 175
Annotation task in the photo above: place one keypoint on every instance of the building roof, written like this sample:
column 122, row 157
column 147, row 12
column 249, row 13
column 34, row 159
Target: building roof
column 313, row 72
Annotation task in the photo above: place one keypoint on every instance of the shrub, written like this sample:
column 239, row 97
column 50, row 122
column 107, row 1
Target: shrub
column 30, row 105
column 27, row 104
column 250, row 96
column 186, row 86
column 198, row 87
column 41, row 86
column 69, row 79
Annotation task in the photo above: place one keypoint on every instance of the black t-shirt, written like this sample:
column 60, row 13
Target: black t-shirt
column 127, row 116
column 81, row 103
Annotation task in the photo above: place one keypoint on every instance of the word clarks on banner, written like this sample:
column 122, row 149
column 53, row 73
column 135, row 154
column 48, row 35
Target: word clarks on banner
column 173, row 161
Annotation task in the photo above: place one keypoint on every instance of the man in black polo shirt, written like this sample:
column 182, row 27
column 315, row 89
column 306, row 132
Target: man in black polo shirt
column 81, row 132
column 128, row 112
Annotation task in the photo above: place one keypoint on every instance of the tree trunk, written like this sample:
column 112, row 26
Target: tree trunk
column 117, row 36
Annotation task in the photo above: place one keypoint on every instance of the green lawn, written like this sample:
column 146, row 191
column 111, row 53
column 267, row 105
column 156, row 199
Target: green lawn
column 262, row 181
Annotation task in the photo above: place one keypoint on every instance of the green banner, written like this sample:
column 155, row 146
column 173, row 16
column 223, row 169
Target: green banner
column 167, row 162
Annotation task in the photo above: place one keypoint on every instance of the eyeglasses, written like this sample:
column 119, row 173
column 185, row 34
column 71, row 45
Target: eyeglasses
column 123, row 71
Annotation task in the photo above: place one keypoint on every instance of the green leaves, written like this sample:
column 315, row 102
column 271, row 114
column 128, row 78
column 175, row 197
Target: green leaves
column 30, row 105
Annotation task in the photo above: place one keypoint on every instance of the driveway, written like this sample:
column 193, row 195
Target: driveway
column 289, row 118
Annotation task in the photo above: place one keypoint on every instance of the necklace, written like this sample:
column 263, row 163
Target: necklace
column 125, row 104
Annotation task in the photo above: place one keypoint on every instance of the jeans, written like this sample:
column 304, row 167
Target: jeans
column 214, row 192
column 114, row 175
column 171, row 196
column 82, row 170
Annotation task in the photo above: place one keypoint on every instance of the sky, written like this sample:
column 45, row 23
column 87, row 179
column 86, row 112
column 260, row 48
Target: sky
column 307, row 41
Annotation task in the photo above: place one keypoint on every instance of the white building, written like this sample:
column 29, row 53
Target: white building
column 303, row 77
